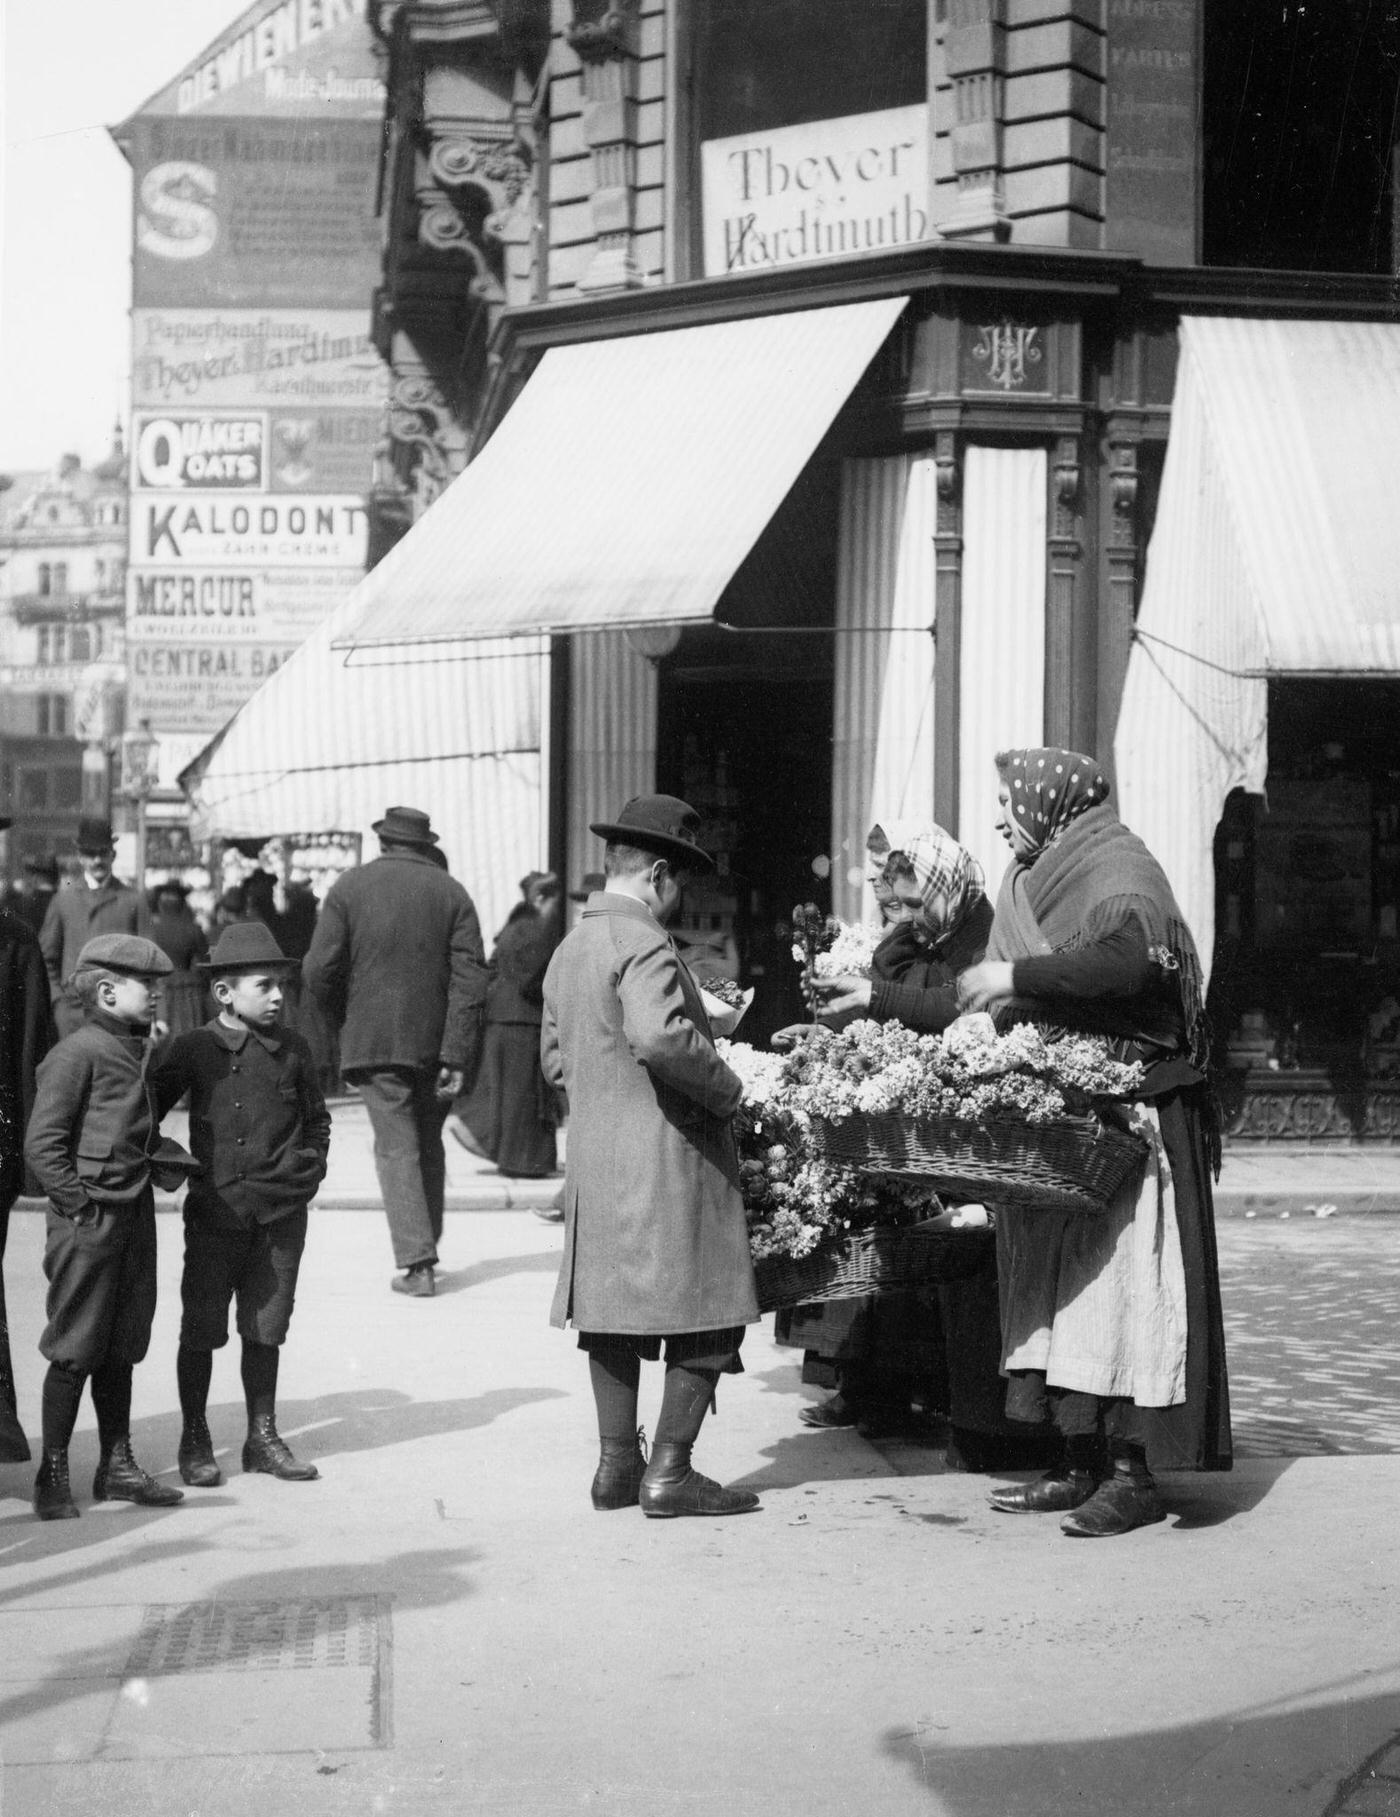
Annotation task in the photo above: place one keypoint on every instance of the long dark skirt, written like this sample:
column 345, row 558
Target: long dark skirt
column 507, row 1109
column 1196, row 1434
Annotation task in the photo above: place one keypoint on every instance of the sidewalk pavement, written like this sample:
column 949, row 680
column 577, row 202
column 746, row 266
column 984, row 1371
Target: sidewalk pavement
column 442, row 1624
column 1261, row 1178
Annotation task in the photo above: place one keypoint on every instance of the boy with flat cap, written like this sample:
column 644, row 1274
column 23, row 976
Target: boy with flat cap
column 261, row 1132
column 90, row 1140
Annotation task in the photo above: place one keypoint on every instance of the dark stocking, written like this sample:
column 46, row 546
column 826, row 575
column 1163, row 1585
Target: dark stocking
column 259, row 1380
column 686, row 1399
column 1129, row 1460
column 194, row 1370
column 1085, row 1452
column 111, row 1396
column 63, row 1389
column 615, row 1375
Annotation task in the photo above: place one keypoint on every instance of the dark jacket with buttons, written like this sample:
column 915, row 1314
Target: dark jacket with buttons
column 93, row 1120
column 259, row 1126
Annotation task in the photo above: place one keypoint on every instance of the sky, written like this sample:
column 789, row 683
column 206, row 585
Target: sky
column 70, row 70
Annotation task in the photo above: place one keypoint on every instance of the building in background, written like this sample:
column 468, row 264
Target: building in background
column 63, row 551
column 827, row 374
column 257, row 395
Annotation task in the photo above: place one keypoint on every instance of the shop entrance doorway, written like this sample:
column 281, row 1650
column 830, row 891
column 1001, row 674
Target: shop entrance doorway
column 745, row 736
column 1306, row 992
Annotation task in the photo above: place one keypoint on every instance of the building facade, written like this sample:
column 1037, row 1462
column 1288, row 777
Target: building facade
column 1025, row 205
column 62, row 649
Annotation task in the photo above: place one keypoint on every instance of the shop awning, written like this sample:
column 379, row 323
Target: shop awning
column 1276, row 551
column 627, row 482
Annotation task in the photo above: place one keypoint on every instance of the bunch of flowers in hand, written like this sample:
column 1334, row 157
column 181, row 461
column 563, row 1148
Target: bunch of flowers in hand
column 850, row 952
column 968, row 1072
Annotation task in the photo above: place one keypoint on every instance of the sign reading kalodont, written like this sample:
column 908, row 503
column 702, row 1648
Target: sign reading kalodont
column 257, row 393
column 816, row 191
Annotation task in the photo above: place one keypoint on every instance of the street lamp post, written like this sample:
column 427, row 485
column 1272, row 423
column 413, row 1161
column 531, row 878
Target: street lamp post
column 138, row 779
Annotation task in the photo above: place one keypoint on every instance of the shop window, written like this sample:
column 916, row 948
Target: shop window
column 1299, row 122
column 67, row 790
column 33, row 790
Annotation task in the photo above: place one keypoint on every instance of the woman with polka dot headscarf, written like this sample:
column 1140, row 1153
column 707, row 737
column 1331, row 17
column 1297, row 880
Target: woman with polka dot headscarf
column 1111, row 1321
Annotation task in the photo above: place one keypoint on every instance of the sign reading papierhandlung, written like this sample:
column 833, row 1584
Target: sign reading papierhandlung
column 815, row 191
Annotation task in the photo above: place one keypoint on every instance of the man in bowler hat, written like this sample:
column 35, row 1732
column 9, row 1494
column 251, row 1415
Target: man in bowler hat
column 97, row 904
column 397, row 964
column 655, row 1241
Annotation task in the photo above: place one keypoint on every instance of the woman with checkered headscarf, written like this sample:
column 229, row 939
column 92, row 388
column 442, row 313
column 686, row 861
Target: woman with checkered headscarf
column 1111, row 1321
column 893, row 1348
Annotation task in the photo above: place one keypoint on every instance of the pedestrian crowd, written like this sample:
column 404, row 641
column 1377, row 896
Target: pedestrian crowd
column 1089, row 1343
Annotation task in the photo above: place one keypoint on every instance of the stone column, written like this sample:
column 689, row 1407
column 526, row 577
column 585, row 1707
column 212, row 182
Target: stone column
column 947, row 662
column 1061, row 679
column 604, row 38
column 975, row 48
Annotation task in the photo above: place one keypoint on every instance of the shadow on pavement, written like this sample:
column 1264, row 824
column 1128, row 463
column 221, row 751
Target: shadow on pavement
column 1212, row 1498
column 828, row 1457
column 457, row 1280
column 416, row 1579
column 27, row 1542
column 359, row 1419
column 1203, row 1767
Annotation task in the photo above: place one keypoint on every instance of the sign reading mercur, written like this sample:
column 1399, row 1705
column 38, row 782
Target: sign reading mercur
column 815, row 191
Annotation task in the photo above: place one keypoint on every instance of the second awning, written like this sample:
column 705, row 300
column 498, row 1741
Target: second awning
column 627, row 482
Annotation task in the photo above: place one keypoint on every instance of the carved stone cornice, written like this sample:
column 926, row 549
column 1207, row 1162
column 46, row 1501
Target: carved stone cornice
column 423, row 446
column 1122, row 492
column 1065, row 477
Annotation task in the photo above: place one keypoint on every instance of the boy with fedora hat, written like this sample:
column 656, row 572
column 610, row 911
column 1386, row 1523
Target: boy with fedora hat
column 261, row 1132
column 96, row 904
column 91, row 1142
column 655, row 1242
column 397, row 965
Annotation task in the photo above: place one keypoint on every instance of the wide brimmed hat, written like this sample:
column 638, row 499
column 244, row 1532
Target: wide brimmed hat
column 95, row 836
column 248, row 946
column 411, row 825
column 658, row 823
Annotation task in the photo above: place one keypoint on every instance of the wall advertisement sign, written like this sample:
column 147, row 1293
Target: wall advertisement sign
column 816, row 191
column 259, row 530
column 248, row 212
column 298, row 359
column 210, row 605
column 213, row 451
column 284, row 57
column 183, row 686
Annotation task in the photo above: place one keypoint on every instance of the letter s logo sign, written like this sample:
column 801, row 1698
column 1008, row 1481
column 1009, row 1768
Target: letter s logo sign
column 175, row 219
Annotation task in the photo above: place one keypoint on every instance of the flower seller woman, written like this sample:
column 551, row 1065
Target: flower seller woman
column 930, row 889
column 1111, row 1321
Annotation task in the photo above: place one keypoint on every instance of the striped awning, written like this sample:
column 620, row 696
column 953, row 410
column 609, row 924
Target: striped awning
column 627, row 482
column 1276, row 551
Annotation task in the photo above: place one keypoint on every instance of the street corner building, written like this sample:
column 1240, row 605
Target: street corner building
column 792, row 407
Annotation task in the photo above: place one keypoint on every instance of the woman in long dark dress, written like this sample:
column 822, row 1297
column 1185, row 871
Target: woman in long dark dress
column 509, row 1115
column 1111, row 1322
column 943, row 1343
column 184, row 1002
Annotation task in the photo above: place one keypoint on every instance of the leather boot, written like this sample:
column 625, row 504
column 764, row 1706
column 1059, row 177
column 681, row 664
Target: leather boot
column 618, row 1480
column 120, row 1478
column 670, row 1487
column 1054, row 1493
column 265, row 1451
column 14, row 1446
column 53, row 1498
column 196, row 1455
column 1125, row 1501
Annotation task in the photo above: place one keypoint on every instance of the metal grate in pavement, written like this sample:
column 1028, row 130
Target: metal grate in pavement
column 298, row 1635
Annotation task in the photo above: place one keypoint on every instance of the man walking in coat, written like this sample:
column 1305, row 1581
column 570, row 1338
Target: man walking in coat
column 397, row 964
column 655, row 1243
column 98, row 904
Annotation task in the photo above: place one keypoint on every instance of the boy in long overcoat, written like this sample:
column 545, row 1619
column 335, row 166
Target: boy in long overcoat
column 655, row 1242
